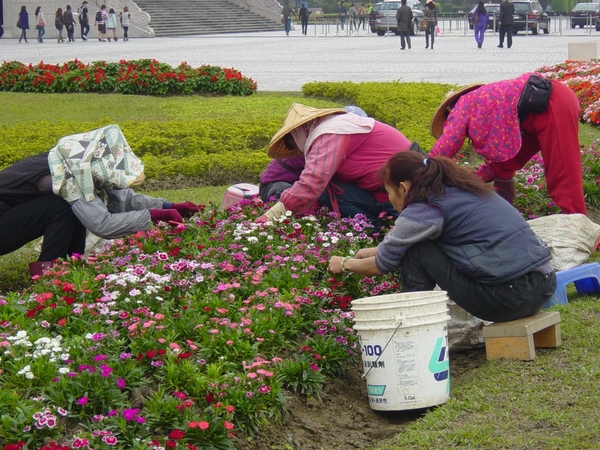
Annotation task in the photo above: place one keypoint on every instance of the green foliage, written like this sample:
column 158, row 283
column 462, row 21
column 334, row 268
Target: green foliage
column 406, row 106
column 301, row 375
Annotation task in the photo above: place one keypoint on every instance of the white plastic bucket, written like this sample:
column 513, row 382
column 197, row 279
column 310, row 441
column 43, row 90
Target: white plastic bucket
column 404, row 349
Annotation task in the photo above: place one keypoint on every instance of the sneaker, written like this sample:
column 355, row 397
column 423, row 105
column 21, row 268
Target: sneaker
column 84, row 38
column 501, row 46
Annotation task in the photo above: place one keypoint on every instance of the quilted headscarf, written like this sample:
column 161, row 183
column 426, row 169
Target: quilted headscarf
column 82, row 165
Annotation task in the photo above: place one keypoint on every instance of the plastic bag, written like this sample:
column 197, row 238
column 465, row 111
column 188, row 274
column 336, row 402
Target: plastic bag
column 464, row 329
column 570, row 237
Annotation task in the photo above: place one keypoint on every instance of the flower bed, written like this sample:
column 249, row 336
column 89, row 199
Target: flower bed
column 584, row 78
column 179, row 337
column 141, row 77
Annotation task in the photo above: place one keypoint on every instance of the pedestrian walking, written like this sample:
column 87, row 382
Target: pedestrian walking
column 23, row 23
column 100, row 22
column 69, row 22
column 124, row 18
column 480, row 22
column 59, row 25
column 41, row 24
column 84, row 20
column 304, row 14
column 287, row 12
column 343, row 12
column 362, row 15
column 505, row 22
column 404, row 17
column 111, row 25
column 431, row 18
column 353, row 14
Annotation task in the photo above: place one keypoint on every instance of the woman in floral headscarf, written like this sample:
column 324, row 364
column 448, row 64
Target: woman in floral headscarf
column 81, row 184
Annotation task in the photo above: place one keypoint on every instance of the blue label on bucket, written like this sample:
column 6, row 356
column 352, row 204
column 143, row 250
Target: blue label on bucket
column 374, row 389
column 439, row 364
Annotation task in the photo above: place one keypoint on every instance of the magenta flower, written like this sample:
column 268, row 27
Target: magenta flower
column 82, row 401
column 129, row 414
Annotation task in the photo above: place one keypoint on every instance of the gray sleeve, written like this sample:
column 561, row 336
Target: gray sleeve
column 122, row 200
column 95, row 217
column 417, row 223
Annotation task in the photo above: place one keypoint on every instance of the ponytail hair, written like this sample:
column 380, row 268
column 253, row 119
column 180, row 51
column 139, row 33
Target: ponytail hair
column 429, row 177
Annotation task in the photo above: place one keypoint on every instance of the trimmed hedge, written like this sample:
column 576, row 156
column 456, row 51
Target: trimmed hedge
column 406, row 106
column 226, row 141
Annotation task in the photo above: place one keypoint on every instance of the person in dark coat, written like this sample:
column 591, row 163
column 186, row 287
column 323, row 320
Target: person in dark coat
column 23, row 23
column 454, row 231
column 303, row 14
column 505, row 22
column 404, row 17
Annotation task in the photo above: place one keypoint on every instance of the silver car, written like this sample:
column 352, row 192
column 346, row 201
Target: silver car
column 385, row 19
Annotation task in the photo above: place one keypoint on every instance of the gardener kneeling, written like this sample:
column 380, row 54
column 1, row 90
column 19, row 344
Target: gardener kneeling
column 454, row 231
column 81, row 184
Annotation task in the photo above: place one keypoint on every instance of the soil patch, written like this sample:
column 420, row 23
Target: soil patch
column 344, row 419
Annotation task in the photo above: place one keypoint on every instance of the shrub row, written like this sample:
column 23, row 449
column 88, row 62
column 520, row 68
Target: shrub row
column 406, row 106
column 144, row 76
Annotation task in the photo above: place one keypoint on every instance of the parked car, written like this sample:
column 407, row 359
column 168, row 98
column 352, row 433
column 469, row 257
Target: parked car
column 373, row 17
column 584, row 14
column 529, row 15
column 385, row 17
column 493, row 9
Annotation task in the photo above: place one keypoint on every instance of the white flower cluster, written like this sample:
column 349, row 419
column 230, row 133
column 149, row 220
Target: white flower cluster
column 42, row 347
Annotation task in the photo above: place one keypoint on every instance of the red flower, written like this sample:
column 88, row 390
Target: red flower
column 177, row 434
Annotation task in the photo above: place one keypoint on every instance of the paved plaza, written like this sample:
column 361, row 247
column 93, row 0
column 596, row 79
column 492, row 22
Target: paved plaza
column 284, row 63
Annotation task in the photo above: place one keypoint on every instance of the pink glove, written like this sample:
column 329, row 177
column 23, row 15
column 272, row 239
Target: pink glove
column 165, row 215
column 261, row 219
column 186, row 209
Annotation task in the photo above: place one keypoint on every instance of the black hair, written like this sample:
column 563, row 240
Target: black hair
column 429, row 177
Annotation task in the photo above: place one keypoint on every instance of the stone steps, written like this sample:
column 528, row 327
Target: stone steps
column 192, row 17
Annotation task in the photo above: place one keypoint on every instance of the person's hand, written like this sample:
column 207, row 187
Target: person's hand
column 186, row 209
column 262, row 219
column 165, row 215
column 335, row 264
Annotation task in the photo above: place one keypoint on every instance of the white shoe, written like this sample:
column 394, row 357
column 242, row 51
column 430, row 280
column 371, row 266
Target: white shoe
column 84, row 38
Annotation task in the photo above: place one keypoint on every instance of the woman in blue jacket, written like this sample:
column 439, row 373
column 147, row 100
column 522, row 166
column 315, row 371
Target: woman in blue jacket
column 454, row 231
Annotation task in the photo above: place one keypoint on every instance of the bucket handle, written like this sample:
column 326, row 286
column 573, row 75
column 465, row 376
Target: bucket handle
column 364, row 376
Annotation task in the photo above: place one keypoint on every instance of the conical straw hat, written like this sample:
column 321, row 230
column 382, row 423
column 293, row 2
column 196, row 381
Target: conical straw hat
column 297, row 115
column 441, row 114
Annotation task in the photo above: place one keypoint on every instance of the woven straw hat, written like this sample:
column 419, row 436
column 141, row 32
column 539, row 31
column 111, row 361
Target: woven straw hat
column 441, row 114
column 297, row 115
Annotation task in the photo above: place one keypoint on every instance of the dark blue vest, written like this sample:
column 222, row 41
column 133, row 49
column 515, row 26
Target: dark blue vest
column 487, row 238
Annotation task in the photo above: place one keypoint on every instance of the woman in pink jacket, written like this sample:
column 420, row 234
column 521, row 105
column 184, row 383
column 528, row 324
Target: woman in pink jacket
column 343, row 153
column 509, row 122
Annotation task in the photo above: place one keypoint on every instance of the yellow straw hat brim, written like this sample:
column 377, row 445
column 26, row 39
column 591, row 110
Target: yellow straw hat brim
column 441, row 114
column 297, row 115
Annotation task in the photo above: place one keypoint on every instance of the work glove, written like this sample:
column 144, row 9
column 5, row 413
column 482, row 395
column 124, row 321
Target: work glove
column 186, row 209
column 165, row 215
column 276, row 211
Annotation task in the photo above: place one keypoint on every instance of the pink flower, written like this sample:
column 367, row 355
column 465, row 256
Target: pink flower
column 264, row 389
column 82, row 401
column 228, row 425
